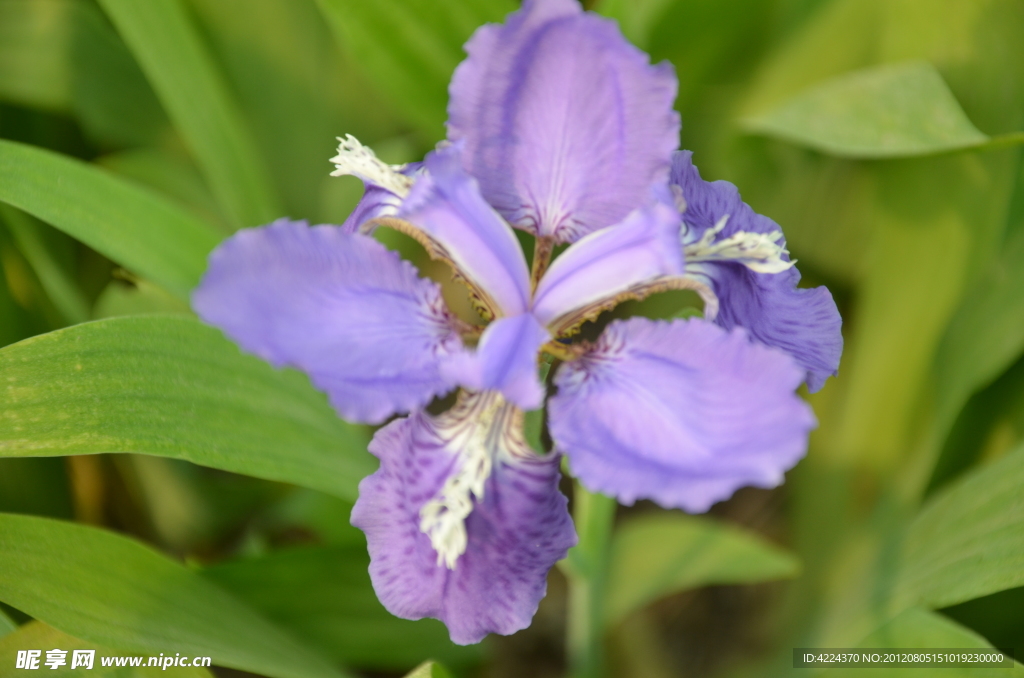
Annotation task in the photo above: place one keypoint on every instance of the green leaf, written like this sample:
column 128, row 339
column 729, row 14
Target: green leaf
column 185, row 77
column 139, row 297
column 410, row 48
column 987, row 333
column 968, row 540
column 171, row 175
column 6, row 625
column 111, row 98
column 998, row 617
column 34, row 69
column 35, row 635
column 60, row 288
column 660, row 554
column 62, row 55
column 429, row 669
column 840, row 36
column 883, row 112
column 930, row 215
column 128, row 224
column 323, row 595
column 298, row 92
column 917, row 628
column 111, row 590
column 171, row 386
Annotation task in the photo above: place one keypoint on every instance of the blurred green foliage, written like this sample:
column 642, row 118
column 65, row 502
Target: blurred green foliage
column 883, row 135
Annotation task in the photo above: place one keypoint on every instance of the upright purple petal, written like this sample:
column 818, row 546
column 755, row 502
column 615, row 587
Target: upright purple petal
column 803, row 322
column 516, row 531
column 505, row 361
column 683, row 413
column 338, row 306
column 566, row 125
column 598, row 271
column 445, row 204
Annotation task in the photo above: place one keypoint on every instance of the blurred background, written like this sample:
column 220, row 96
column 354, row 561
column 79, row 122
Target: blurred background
column 882, row 135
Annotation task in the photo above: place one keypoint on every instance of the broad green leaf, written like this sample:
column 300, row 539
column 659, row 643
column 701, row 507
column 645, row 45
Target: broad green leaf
column 34, row 69
column 113, row 591
column 657, row 555
column 883, row 112
column 989, row 424
column 840, row 36
column 128, row 224
column 429, row 670
column 111, row 98
column 6, row 624
column 138, row 297
column 170, row 174
column 187, row 81
column 323, row 595
column 62, row 55
column 977, row 45
column 918, row 628
column 60, row 288
column 171, row 386
column 38, row 636
column 987, row 333
column 410, row 48
column 297, row 90
column 998, row 617
column 968, row 540
column 929, row 216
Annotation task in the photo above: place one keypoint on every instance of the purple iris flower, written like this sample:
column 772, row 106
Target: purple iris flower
column 561, row 128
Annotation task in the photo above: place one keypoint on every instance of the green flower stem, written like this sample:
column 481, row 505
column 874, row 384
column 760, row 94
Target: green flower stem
column 587, row 571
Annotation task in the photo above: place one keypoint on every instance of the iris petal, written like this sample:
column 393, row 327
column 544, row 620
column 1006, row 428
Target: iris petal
column 803, row 322
column 446, row 212
column 338, row 306
column 639, row 256
column 515, row 532
column 683, row 413
column 566, row 125
column 506, row 361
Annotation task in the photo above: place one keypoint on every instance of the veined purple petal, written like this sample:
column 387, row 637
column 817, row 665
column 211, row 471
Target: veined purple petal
column 445, row 204
column 513, row 534
column 683, row 413
column 566, row 125
column 505, row 361
column 629, row 259
column 803, row 322
column 338, row 306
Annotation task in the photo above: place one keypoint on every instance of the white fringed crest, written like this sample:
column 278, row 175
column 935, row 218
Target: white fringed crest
column 760, row 252
column 360, row 161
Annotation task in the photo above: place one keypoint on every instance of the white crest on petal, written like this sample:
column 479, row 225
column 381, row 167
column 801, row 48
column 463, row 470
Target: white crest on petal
column 760, row 252
column 480, row 428
column 360, row 161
